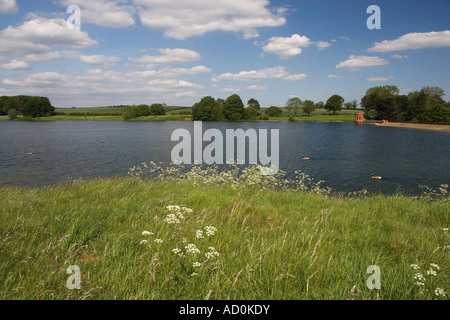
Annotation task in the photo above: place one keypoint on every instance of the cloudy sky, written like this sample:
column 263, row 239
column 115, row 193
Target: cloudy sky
column 178, row 51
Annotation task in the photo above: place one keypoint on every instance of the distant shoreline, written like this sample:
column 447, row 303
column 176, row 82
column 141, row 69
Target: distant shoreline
column 437, row 127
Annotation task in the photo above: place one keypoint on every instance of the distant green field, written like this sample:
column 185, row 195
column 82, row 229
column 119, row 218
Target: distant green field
column 173, row 114
column 319, row 115
column 89, row 110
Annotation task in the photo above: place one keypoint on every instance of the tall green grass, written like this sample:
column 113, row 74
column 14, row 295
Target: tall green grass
column 272, row 244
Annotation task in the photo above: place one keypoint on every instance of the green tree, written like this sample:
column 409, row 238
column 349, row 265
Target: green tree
column 12, row 114
column 309, row 107
column 372, row 114
column 320, row 105
column 234, row 108
column 217, row 111
column 294, row 105
column 157, row 109
column 202, row 111
column 434, row 93
column 351, row 104
column 334, row 104
column 35, row 107
column 274, row 112
column 251, row 113
column 143, row 110
column 254, row 103
column 129, row 113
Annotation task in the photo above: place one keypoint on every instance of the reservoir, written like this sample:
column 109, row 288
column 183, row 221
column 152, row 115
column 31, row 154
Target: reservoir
column 344, row 155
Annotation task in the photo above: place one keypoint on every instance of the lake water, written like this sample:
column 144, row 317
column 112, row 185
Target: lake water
column 342, row 154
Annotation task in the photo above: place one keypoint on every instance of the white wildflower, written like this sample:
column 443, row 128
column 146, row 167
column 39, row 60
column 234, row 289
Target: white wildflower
column 173, row 208
column 171, row 218
column 186, row 210
column 194, row 274
column 419, row 276
column 196, row 264
column 418, row 283
column 199, row 234
column 415, row 266
column 158, row 240
column 210, row 230
column 147, row 233
column 431, row 272
column 444, row 229
column 143, row 241
column 439, row 292
column 178, row 252
column 434, row 265
column 180, row 215
column 212, row 253
column 191, row 249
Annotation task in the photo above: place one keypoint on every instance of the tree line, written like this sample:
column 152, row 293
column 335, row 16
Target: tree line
column 28, row 106
column 233, row 109
column 143, row 110
column 379, row 103
column 426, row 105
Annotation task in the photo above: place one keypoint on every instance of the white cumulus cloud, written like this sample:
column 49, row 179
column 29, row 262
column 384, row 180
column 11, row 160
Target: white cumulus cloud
column 40, row 35
column 189, row 18
column 287, row 47
column 362, row 61
column 8, row 7
column 375, row 79
column 258, row 75
column 416, row 40
column 168, row 56
column 105, row 13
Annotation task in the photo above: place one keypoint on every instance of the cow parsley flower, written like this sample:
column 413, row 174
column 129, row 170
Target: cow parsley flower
column 173, row 208
column 196, row 264
column 191, row 249
column 415, row 266
column 431, row 272
column 419, row 276
column 186, row 210
column 199, row 234
column 171, row 218
column 210, row 230
column 158, row 240
column 418, row 283
column 212, row 253
column 143, row 241
column 434, row 265
column 147, row 233
column 439, row 292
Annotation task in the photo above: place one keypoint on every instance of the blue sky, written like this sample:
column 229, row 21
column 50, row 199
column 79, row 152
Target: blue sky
column 176, row 52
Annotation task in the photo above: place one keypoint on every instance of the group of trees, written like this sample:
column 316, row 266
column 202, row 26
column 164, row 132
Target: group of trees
column 143, row 110
column 231, row 109
column 28, row 106
column 426, row 105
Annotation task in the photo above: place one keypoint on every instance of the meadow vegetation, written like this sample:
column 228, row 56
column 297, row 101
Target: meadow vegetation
column 181, row 233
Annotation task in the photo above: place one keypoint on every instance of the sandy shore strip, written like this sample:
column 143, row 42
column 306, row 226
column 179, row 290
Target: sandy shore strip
column 438, row 127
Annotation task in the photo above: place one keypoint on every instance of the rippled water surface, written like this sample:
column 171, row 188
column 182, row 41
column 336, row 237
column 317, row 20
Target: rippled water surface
column 342, row 154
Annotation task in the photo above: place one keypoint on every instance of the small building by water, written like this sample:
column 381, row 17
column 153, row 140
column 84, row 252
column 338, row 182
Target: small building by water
column 359, row 119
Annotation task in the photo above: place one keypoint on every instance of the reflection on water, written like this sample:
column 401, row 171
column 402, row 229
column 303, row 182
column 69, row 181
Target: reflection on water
column 342, row 154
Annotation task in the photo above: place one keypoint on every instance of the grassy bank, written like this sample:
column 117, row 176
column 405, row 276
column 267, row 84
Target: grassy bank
column 270, row 244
